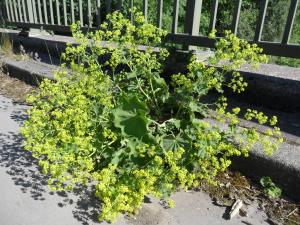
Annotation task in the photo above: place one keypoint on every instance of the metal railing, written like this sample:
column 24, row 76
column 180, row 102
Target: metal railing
column 57, row 15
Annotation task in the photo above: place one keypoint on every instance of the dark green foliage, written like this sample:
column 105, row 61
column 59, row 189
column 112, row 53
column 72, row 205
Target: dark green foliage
column 271, row 189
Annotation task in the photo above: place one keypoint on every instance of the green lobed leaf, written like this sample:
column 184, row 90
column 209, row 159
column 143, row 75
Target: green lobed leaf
column 271, row 189
column 266, row 181
column 171, row 142
column 131, row 117
column 273, row 192
column 198, row 107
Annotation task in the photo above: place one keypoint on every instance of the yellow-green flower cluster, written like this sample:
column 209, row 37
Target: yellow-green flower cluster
column 110, row 118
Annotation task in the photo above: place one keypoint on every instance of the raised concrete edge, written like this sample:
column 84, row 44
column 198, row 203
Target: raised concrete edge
column 30, row 71
column 283, row 167
column 274, row 86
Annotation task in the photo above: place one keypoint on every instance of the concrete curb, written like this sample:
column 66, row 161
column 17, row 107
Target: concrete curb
column 29, row 71
column 283, row 167
column 277, row 92
column 277, row 87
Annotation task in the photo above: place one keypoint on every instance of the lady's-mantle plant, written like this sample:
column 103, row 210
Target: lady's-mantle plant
column 111, row 119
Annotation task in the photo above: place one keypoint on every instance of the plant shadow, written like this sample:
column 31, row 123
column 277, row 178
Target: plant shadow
column 25, row 173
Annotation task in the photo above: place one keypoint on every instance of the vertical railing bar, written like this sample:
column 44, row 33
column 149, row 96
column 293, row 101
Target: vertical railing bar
column 145, row 9
column 58, row 12
column 4, row 9
column 4, row 14
column 213, row 18
column 7, row 10
column 11, row 10
column 65, row 12
column 236, row 16
column 98, row 16
column 1, row 13
column 30, row 12
column 16, row 11
column 120, row 5
column 72, row 11
column 261, row 20
column 51, row 11
column 89, row 13
column 20, row 11
column 24, row 11
column 131, row 10
column 40, row 12
column 108, row 6
column 45, row 11
column 290, row 21
column 159, row 13
column 80, row 13
column 34, row 11
column 175, row 16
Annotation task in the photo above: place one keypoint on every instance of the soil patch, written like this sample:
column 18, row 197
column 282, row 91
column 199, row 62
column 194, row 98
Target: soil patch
column 234, row 186
column 13, row 88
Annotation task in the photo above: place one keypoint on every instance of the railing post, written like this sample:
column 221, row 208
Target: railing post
column 192, row 19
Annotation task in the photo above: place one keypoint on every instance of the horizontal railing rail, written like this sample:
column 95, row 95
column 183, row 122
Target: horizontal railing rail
column 58, row 15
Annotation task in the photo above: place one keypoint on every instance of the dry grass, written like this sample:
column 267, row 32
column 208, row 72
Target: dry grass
column 6, row 45
column 7, row 49
column 13, row 88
